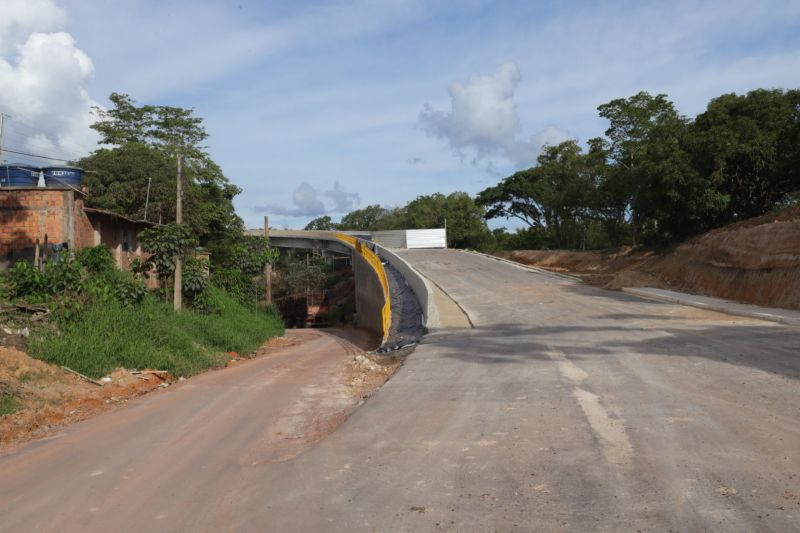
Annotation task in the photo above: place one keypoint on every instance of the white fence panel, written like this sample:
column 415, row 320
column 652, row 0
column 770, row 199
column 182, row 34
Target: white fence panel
column 390, row 239
column 426, row 238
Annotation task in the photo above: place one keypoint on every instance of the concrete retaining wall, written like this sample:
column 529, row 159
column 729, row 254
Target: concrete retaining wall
column 418, row 283
column 369, row 295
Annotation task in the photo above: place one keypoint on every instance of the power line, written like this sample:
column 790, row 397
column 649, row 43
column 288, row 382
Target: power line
column 15, row 123
column 37, row 156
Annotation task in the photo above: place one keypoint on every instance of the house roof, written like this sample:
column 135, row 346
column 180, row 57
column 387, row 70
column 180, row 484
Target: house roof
column 117, row 215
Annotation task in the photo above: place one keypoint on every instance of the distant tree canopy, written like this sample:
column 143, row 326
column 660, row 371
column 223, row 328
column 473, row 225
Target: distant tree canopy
column 141, row 144
column 657, row 176
column 466, row 224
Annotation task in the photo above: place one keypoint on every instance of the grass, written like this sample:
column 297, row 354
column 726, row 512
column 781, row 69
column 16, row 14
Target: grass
column 9, row 405
column 151, row 335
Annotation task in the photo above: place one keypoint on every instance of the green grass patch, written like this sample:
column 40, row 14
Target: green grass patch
column 9, row 405
column 109, row 335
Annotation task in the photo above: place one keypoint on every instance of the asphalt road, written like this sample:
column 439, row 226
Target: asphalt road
column 566, row 408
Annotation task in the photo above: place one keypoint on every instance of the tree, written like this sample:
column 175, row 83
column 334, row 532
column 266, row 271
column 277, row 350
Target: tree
column 567, row 193
column 517, row 196
column 748, row 147
column 366, row 219
column 323, row 223
column 166, row 245
column 631, row 120
column 465, row 220
column 143, row 142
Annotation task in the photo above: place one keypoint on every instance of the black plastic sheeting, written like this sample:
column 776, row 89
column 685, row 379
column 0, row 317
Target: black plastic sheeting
column 407, row 327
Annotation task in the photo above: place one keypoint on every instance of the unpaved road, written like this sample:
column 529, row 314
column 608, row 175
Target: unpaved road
column 566, row 408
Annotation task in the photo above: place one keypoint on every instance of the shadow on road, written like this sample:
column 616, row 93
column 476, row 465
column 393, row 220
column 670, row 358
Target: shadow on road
column 771, row 348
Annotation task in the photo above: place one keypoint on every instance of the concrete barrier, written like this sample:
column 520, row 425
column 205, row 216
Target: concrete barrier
column 373, row 302
column 418, row 283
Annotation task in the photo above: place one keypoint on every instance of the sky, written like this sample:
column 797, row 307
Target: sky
column 319, row 108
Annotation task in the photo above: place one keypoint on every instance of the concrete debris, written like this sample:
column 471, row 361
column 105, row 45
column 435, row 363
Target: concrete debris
column 23, row 332
column 365, row 363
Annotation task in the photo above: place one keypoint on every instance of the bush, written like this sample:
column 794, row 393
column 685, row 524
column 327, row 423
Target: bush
column 97, row 259
column 25, row 280
column 109, row 335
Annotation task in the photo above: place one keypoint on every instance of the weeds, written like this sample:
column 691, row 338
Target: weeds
column 9, row 403
column 150, row 335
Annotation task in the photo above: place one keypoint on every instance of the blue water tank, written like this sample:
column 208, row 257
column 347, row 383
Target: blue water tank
column 18, row 176
column 70, row 177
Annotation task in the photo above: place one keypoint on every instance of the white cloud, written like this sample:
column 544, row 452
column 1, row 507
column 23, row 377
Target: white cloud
column 23, row 17
column 43, row 80
column 308, row 202
column 483, row 119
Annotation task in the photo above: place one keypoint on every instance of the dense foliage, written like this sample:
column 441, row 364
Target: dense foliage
column 151, row 335
column 141, row 145
column 656, row 176
column 103, row 317
column 465, row 221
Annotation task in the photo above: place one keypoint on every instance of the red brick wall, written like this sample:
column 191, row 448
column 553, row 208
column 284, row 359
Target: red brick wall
column 30, row 214
column 84, row 232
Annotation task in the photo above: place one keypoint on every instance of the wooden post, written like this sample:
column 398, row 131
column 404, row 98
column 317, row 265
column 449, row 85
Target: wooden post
column 267, row 268
column 177, row 292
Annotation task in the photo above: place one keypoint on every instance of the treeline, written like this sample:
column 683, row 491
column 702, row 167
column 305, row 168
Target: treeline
column 657, row 176
column 465, row 220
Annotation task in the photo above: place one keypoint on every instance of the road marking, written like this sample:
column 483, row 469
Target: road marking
column 610, row 432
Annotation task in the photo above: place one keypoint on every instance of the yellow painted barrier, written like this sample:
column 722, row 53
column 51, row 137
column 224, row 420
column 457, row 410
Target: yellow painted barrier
column 375, row 262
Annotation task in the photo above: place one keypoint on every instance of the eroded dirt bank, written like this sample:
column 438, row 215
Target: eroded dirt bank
column 756, row 261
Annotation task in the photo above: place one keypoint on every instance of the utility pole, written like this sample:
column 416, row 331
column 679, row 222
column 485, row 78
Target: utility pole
column 147, row 198
column 3, row 117
column 267, row 267
column 177, row 296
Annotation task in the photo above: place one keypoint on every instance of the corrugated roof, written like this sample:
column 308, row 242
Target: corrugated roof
column 117, row 215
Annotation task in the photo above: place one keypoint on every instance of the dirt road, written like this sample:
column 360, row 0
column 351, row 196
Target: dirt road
column 566, row 408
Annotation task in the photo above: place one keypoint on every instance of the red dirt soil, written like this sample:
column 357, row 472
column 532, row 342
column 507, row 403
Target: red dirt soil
column 755, row 261
column 51, row 398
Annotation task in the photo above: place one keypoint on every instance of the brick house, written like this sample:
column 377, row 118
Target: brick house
column 58, row 216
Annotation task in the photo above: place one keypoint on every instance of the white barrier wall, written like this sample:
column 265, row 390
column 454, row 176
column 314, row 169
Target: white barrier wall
column 426, row 238
column 411, row 238
column 390, row 239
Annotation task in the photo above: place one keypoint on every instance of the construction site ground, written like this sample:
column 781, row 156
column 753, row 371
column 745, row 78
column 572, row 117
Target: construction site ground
column 565, row 408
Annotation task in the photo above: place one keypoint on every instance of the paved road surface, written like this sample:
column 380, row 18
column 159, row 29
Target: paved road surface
column 567, row 408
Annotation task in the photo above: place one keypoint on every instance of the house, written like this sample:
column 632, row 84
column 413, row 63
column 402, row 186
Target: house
column 55, row 219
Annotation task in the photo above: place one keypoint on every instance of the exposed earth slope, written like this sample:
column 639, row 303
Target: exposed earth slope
column 756, row 261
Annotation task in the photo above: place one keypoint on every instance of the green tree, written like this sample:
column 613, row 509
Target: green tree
column 366, row 219
column 166, row 244
column 567, row 194
column 517, row 196
column 323, row 223
column 465, row 220
column 143, row 142
column 749, row 147
column 631, row 121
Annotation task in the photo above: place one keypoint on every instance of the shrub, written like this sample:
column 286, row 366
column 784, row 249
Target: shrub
column 151, row 335
column 97, row 259
column 64, row 275
column 25, row 280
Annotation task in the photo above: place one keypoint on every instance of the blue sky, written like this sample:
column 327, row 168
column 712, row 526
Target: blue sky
column 319, row 107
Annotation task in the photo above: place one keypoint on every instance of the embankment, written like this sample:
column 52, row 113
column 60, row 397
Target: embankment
column 756, row 261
